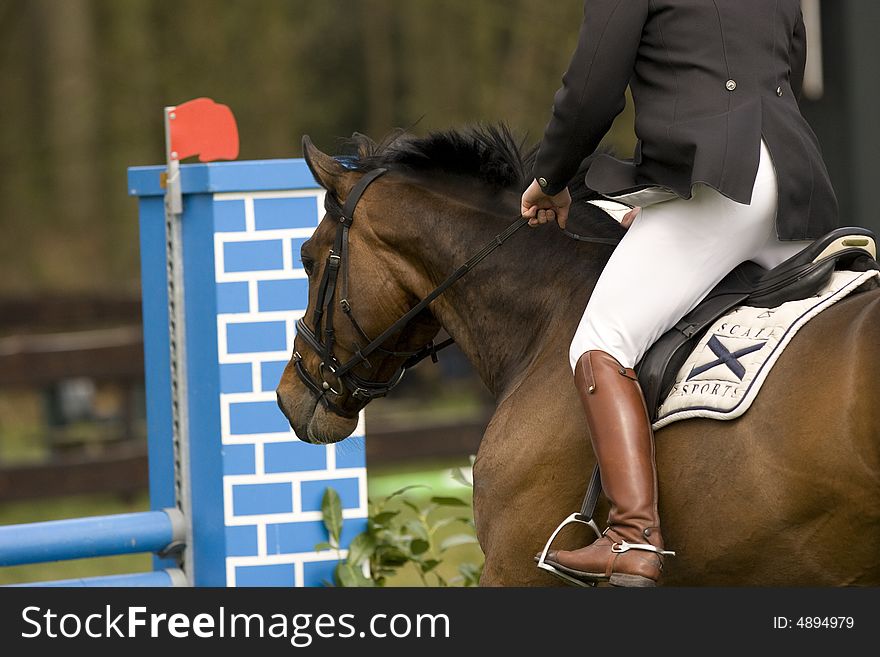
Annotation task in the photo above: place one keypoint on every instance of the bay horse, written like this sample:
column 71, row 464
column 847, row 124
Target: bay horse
column 786, row 495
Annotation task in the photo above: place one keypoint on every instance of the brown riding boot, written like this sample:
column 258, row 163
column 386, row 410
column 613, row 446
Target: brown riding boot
column 630, row 551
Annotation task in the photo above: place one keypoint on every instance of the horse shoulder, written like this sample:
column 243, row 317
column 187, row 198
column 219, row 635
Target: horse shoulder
column 531, row 470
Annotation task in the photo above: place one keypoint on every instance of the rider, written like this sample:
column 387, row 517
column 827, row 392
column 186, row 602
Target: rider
column 715, row 88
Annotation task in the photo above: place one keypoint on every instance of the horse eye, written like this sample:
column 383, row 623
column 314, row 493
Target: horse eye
column 308, row 265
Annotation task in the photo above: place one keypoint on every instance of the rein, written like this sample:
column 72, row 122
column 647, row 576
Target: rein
column 361, row 389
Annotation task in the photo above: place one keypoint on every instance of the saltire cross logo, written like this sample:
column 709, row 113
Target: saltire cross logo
column 726, row 357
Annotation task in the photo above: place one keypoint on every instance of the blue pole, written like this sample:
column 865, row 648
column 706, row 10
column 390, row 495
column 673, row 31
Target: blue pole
column 155, row 579
column 99, row 536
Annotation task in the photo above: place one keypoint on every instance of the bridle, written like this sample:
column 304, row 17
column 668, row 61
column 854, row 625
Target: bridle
column 364, row 390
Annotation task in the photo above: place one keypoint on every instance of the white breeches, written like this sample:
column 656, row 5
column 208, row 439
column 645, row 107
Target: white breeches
column 671, row 257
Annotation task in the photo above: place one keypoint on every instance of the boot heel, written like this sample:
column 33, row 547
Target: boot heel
column 636, row 581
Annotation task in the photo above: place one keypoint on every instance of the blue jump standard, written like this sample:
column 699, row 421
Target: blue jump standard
column 240, row 285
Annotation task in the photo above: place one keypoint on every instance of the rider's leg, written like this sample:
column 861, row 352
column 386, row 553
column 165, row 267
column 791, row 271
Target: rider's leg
column 674, row 253
column 775, row 251
column 671, row 257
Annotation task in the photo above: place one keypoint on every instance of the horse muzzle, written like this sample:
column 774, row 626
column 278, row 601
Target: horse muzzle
column 312, row 421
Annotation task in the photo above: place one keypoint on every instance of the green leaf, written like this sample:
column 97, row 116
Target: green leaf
column 443, row 522
column 391, row 556
column 419, row 546
column 331, row 510
column 455, row 540
column 383, row 534
column 429, row 565
column 471, row 573
column 362, row 580
column 349, row 576
column 345, row 575
column 412, row 507
column 449, row 501
column 416, row 528
column 459, row 475
column 323, row 546
column 362, row 548
column 401, row 491
column 384, row 517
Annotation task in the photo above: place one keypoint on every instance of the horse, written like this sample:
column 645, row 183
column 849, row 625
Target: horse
column 786, row 495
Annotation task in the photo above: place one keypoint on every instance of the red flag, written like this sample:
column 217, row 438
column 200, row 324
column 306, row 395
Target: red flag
column 204, row 128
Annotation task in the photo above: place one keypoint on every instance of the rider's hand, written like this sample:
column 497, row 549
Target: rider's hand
column 540, row 208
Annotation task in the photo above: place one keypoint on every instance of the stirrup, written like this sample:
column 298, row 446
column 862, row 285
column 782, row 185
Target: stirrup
column 542, row 563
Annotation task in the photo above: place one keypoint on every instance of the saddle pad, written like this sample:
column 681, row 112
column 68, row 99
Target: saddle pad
column 725, row 371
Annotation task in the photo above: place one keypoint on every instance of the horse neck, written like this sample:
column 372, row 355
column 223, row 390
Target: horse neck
column 520, row 302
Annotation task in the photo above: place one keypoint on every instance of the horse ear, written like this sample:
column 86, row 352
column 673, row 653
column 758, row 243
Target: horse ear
column 329, row 173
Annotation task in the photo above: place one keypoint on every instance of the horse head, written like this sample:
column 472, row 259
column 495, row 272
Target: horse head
column 361, row 279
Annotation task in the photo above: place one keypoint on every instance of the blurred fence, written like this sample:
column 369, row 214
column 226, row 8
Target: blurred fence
column 123, row 469
column 53, row 346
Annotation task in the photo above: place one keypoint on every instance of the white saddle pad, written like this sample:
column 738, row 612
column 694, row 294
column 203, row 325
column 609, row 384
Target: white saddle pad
column 724, row 373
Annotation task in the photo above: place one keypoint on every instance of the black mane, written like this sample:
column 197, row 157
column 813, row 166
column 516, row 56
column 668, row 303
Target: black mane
column 489, row 154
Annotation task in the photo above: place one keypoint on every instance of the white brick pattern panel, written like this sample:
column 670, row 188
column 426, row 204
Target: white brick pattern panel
column 273, row 483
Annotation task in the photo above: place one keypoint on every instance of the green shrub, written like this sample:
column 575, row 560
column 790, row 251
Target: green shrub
column 395, row 539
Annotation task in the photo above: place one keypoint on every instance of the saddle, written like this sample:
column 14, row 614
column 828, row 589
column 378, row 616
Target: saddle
column 750, row 284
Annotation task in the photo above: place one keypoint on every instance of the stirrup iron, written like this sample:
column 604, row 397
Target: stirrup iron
column 542, row 561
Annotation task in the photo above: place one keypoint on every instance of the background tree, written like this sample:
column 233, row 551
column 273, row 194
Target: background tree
column 83, row 83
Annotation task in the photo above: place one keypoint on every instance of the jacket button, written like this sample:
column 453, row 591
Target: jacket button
column 542, row 182
column 731, row 85
column 779, row 91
